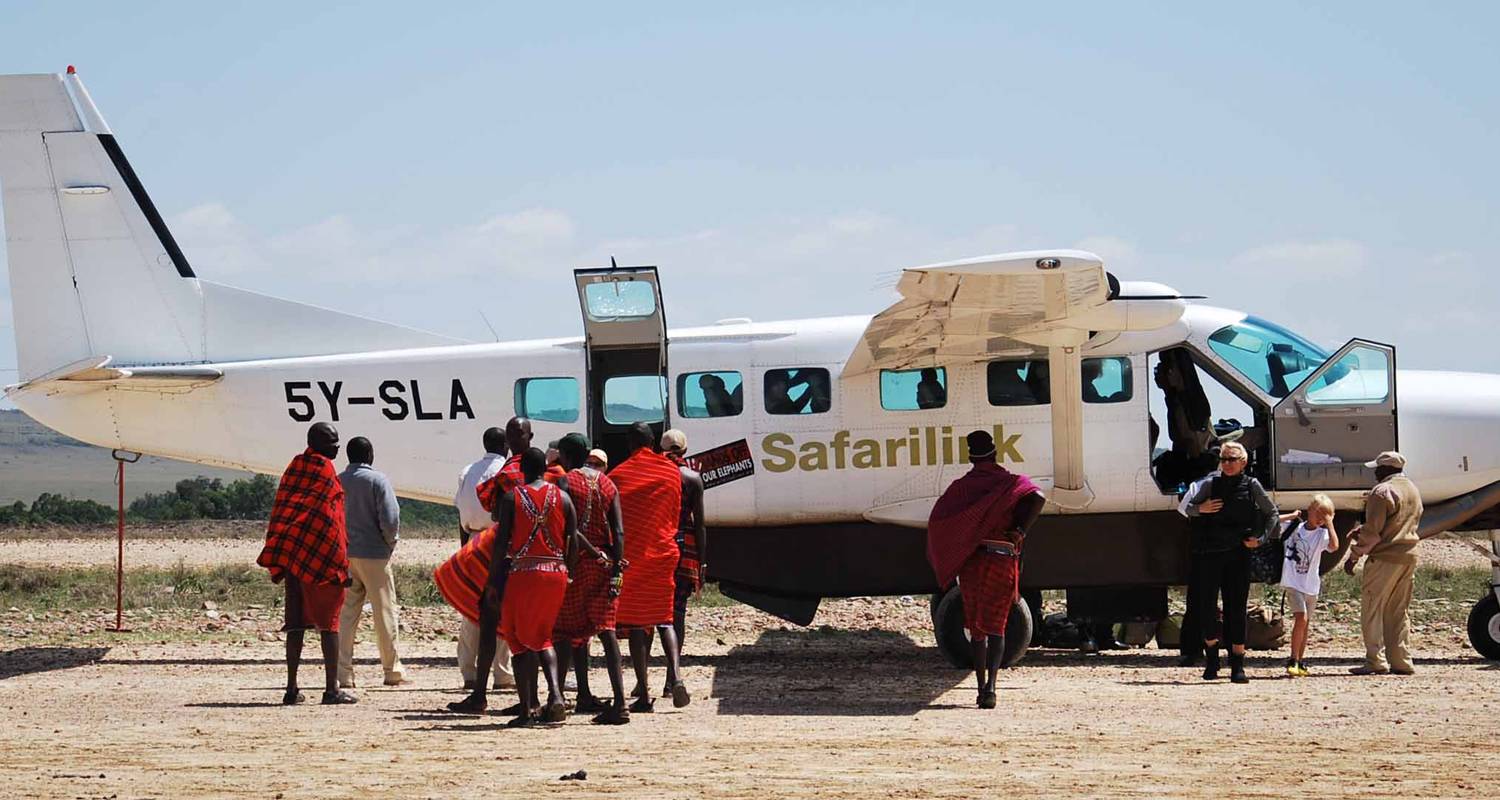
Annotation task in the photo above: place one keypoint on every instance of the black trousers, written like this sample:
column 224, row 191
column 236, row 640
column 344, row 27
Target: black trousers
column 1227, row 573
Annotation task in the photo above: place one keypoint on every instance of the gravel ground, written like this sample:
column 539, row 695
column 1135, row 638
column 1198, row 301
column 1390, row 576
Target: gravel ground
column 153, row 551
column 858, row 706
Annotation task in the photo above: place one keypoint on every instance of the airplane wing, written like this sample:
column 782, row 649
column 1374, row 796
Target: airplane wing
column 1018, row 305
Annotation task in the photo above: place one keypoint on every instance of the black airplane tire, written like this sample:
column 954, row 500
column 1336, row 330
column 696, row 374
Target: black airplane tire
column 1484, row 627
column 953, row 638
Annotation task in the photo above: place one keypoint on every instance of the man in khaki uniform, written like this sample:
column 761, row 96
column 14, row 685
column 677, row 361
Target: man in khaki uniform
column 1389, row 538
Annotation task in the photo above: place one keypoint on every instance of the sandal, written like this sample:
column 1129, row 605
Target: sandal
column 522, row 721
column 987, row 699
column 473, row 704
column 589, row 704
column 680, row 696
column 612, row 715
column 642, row 705
column 511, row 710
column 553, row 713
column 293, row 697
column 339, row 698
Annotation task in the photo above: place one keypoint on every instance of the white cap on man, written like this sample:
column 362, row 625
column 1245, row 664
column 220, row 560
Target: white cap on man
column 598, row 455
column 674, row 441
column 1389, row 458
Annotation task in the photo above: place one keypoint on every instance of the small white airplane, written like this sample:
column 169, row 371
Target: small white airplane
column 825, row 441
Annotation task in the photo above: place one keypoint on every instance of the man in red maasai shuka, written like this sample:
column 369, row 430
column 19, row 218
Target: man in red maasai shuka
column 534, row 534
column 650, row 499
column 307, row 547
column 589, row 606
column 975, row 535
column 518, row 441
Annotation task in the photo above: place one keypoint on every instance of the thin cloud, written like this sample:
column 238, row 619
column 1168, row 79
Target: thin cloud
column 1307, row 261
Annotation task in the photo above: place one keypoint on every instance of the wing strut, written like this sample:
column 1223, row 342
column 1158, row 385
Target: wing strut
column 1070, row 486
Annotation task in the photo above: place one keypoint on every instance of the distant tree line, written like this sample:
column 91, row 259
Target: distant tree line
column 192, row 499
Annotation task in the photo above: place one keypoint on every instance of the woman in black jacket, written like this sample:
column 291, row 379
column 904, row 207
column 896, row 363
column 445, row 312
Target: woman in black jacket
column 1232, row 515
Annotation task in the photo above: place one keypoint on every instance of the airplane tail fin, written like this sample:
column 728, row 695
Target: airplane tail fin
column 94, row 271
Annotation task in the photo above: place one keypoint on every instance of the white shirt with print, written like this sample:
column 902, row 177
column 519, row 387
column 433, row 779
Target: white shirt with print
column 1303, row 552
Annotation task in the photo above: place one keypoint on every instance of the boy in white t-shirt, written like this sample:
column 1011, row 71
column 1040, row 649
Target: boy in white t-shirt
column 1303, row 549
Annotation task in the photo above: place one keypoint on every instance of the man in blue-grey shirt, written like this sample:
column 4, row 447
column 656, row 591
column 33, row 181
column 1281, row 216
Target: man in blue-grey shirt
column 373, row 519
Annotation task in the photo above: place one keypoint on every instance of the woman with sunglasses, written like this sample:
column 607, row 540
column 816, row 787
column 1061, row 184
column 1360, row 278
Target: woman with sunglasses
column 1232, row 515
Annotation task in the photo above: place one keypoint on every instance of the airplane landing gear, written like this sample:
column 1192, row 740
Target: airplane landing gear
column 953, row 638
column 1484, row 627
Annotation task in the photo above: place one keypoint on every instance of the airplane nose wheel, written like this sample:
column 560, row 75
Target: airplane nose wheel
column 1484, row 627
column 953, row 637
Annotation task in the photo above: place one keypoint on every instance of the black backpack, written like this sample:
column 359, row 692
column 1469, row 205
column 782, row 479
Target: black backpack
column 1266, row 560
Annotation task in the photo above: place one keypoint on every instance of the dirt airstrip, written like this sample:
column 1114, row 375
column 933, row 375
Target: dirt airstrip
column 860, row 705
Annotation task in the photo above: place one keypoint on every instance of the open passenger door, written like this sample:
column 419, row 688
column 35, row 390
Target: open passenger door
column 625, row 347
column 1341, row 416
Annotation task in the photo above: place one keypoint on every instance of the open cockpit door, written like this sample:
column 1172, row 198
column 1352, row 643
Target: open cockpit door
column 625, row 345
column 1341, row 416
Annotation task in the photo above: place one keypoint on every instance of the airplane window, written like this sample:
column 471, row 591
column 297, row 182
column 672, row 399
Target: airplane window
column 547, row 399
column 913, row 389
column 710, row 394
column 1107, row 380
column 635, row 398
column 612, row 300
column 1271, row 356
column 1018, row 383
column 1360, row 377
column 804, row 390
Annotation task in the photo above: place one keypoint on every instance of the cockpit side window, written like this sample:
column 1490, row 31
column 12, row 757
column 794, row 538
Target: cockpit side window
column 1107, row 380
column 1271, row 356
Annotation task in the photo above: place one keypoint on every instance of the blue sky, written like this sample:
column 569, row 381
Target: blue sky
column 1331, row 169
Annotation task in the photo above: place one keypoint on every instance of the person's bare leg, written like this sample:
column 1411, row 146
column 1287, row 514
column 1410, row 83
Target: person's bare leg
column 640, row 653
column 584, row 700
column 673, row 650
column 553, row 674
column 332, row 694
column 1299, row 637
column 979, row 648
column 674, row 655
column 293, row 661
column 564, row 660
column 554, row 711
column 679, row 616
column 648, row 635
column 525, row 667
column 484, row 662
column 612, row 663
column 996, row 654
column 330, row 642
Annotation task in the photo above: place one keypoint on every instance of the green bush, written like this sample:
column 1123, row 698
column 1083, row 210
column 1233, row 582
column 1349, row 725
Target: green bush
column 54, row 509
column 419, row 513
column 208, row 498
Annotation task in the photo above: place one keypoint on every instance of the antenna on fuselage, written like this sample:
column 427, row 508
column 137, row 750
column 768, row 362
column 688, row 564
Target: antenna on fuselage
column 488, row 325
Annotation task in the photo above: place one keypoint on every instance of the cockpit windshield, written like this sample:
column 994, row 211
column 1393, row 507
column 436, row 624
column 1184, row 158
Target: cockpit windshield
column 1272, row 356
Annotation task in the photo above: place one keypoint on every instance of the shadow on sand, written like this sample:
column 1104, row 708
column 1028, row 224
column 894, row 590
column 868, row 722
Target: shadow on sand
column 29, row 660
column 831, row 672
